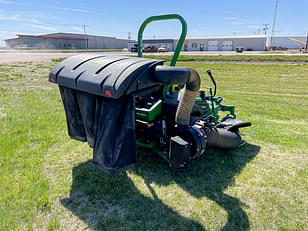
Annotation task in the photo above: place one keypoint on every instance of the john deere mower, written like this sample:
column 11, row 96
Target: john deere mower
column 116, row 103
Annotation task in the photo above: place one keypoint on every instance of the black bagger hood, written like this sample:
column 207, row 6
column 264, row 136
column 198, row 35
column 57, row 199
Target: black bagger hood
column 98, row 96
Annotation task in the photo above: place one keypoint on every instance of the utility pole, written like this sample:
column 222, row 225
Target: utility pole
column 274, row 24
column 129, row 37
column 265, row 28
column 85, row 36
column 306, row 47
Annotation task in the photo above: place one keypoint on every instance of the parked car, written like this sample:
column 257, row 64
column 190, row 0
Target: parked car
column 134, row 48
column 163, row 49
column 149, row 49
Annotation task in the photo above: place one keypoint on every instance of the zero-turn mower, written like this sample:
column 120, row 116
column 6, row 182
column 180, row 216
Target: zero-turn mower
column 116, row 102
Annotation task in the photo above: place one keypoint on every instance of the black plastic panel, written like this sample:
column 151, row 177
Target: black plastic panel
column 109, row 76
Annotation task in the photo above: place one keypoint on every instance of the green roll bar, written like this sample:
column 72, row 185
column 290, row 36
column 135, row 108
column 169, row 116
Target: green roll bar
column 160, row 18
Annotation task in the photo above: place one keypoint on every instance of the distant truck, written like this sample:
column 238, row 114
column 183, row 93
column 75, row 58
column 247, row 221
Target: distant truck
column 239, row 49
column 149, row 49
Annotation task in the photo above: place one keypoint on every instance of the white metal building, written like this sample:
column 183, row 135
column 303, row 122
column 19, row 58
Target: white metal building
column 212, row 43
column 66, row 41
column 225, row 43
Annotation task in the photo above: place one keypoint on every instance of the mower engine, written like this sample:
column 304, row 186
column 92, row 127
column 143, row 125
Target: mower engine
column 159, row 124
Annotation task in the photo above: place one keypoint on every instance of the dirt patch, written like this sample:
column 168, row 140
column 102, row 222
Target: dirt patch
column 31, row 57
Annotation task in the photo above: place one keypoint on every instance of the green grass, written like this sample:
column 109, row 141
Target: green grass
column 48, row 181
column 235, row 58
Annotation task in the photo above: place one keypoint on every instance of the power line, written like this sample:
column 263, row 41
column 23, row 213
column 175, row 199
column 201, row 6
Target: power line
column 265, row 28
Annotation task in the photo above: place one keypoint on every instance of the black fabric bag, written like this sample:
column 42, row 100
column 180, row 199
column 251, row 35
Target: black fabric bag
column 74, row 121
column 107, row 124
column 87, row 103
column 115, row 138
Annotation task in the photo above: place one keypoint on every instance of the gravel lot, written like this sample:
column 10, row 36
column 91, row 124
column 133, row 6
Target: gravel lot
column 14, row 57
column 30, row 57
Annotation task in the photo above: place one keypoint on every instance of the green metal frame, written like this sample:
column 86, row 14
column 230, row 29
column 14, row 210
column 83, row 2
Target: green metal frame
column 180, row 42
column 150, row 114
column 215, row 108
column 160, row 18
column 219, row 107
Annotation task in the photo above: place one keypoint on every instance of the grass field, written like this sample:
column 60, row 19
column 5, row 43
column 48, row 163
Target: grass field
column 236, row 58
column 48, row 182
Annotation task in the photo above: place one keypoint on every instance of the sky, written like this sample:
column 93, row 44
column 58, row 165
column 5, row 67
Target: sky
column 118, row 18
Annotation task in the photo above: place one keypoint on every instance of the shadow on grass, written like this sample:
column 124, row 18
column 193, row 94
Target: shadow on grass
column 107, row 202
